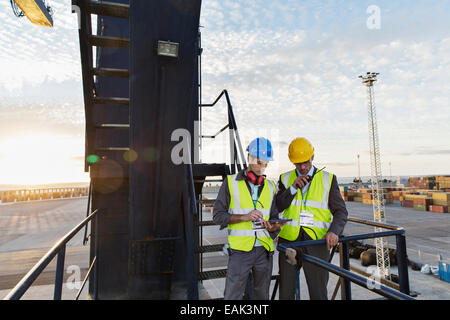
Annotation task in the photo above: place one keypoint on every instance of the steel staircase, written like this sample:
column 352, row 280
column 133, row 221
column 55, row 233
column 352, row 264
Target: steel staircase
column 90, row 72
column 106, row 99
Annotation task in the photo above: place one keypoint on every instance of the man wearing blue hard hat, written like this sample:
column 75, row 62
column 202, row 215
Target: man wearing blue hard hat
column 244, row 205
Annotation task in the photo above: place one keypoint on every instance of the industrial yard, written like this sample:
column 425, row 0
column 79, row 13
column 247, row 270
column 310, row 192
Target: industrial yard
column 30, row 228
column 423, row 195
column 150, row 112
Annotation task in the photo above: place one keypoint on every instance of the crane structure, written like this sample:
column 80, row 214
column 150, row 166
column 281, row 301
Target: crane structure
column 382, row 248
column 37, row 11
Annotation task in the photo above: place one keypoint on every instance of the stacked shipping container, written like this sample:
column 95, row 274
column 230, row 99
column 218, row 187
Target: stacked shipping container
column 419, row 199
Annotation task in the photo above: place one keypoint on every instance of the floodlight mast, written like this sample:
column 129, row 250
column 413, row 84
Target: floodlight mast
column 382, row 248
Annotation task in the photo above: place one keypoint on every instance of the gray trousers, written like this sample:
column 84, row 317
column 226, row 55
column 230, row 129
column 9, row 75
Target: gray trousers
column 240, row 263
column 316, row 277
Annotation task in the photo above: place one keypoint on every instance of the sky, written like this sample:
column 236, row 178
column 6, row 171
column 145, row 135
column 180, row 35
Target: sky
column 291, row 68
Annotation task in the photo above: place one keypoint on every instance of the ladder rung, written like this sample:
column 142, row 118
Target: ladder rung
column 113, row 126
column 110, row 72
column 105, row 100
column 210, row 248
column 112, row 149
column 213, row 274
column 110, row 42
column 110, row 9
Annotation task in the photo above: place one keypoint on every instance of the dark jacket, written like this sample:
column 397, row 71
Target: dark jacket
column 284, row 198
column 221, row 216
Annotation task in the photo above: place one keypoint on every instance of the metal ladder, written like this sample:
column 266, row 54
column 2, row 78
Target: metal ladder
column 106, row 99
column 218, row 170
column 91, row 97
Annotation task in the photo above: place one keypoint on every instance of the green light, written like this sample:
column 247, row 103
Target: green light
column 93, row 158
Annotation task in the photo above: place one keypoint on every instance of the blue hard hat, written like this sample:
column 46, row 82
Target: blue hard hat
column 261, row 148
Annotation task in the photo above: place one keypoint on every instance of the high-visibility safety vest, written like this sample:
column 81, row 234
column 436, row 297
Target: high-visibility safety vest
column 241, row 235
column 314, row 201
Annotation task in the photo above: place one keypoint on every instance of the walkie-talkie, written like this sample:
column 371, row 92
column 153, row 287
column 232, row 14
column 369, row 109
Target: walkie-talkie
column 309, row 178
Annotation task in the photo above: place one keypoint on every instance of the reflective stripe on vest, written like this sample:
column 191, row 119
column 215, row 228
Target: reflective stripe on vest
column 316, row 203
column 241, row 235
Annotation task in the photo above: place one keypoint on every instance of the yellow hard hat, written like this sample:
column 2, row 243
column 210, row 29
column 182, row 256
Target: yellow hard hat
column 300, row 150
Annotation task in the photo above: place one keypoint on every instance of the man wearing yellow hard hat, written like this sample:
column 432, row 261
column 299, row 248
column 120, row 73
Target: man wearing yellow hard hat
column 311, row 199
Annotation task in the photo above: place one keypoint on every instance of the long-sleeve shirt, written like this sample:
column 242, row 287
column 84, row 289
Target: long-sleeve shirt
column 221, row 216
column 336, row 204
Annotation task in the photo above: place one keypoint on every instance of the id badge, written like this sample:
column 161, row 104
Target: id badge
column 306, row 219
column 256, row 225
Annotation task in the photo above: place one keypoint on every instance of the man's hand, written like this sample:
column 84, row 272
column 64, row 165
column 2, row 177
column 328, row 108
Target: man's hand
column 254, row 215
column 332, row 240
column 300, row 182
column 272, row 227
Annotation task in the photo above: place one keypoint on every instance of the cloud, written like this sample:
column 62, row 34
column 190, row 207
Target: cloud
column 337, row 164
column 426, row 151
column 290, row 67
column 303, row 81
column 31, row 55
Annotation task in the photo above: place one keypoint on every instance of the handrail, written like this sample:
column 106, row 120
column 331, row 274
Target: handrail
column 189, row 214
column 26, row 282
column 357, row 279
column 374, row 224
column 233, row 129
column 308, row 243
column 215, row 101
column 41, row 193
column 345, row 272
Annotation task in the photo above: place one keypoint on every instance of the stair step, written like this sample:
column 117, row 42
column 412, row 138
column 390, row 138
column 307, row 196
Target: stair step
column 113, row 126
column 112, row 149
column 204, row 180
column 210, row 248
column 206, row 201
column 109, row 42
column 206, row 223
column 202, row 170
column 111, row 9
column 110, row 100
column 110, row 72
column 212, row 274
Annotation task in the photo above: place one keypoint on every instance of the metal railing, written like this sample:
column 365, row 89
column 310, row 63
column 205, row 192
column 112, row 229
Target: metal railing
column 58, row 249
column 237, row 158
column 42, row 193
column 344, row 271
column 234, row 135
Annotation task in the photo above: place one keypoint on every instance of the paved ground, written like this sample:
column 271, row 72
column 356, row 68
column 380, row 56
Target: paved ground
column 28, row 230
column 427, row 233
